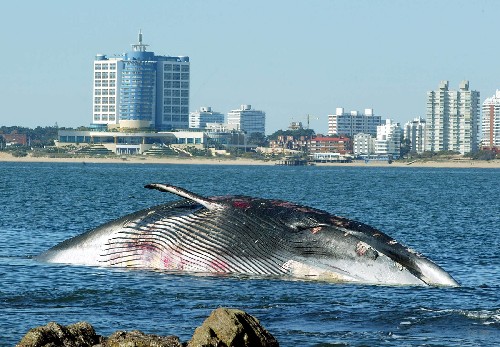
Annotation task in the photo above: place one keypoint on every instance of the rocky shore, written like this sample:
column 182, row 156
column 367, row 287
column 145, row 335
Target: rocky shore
column 224, row 327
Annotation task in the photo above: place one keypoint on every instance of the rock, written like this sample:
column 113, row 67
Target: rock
column 231, row 328
column 80, row 334
column 223, row 328
column 139, row 339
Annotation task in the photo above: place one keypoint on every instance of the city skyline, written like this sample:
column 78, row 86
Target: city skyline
column 287, row 60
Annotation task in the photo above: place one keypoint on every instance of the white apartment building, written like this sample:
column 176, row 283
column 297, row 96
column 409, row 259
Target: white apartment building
column 415, row 132
column 491, row 122
column 106, row 100
column 363, row 144
column 199, row 119
column 452, row 119
column 354, row 122
column 247, row 119
column 388, row 140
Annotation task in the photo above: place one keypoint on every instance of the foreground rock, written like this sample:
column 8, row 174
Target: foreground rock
column 229, row 327
column 223, row 328
column 53, row 334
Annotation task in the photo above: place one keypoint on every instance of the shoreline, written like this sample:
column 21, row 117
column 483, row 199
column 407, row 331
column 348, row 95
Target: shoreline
column 444, row 163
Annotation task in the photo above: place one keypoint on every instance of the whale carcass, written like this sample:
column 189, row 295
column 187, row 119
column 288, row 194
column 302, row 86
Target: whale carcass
column 247, row 235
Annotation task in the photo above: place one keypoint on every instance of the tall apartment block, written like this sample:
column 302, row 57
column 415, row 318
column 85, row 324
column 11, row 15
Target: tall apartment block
column 415, row 132
column 491, row 122
column 354, row 122
column 139, row 89
column 453, row 119
column 199, row 119
column 247, row 119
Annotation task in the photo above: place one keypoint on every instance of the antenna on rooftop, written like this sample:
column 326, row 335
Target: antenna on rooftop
column 140, row 47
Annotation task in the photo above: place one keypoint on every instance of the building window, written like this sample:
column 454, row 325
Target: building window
column 168, row 67
column 177, row 68
column 97, row 92
column 185, row 76
column 185, row 68
column 97, row 67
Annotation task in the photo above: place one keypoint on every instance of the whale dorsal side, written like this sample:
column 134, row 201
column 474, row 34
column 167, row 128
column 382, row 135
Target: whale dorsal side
column 208, row 203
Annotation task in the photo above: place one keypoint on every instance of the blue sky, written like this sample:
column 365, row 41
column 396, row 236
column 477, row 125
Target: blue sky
column 287, row 58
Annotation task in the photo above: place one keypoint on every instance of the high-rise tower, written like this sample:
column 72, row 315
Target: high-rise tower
column 452, row 122
column 141, row 90
column 491, row 122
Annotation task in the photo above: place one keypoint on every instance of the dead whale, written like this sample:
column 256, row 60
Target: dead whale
column 248, row 235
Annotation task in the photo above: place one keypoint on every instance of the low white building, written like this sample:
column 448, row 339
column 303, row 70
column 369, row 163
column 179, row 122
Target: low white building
column 363, row 144
column 354, row 122
column 131, row 142
column 199, row 119
column 388, row 140
column 247, row 119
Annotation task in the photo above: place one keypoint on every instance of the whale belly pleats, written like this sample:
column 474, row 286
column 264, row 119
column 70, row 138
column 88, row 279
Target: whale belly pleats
column 204, row 241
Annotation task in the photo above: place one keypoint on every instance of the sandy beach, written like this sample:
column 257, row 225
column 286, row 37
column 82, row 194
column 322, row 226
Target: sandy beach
column 462, row 163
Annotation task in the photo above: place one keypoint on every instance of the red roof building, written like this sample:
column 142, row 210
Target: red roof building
column 341, row 144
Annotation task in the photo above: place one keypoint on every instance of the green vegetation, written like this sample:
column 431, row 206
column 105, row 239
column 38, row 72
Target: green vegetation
column 38, row 137
column 482, row 155
column 295, row 133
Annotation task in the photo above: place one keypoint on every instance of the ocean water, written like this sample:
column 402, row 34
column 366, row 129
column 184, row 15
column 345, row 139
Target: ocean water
column 450, row 215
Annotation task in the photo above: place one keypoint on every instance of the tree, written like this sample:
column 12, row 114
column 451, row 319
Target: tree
column 258, row 139
column 295, row 133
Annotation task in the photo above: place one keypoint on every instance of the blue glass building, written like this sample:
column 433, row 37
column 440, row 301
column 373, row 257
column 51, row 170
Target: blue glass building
column 141, row 90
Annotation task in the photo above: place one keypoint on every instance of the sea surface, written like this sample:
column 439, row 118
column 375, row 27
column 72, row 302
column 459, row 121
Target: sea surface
column 450, row 215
